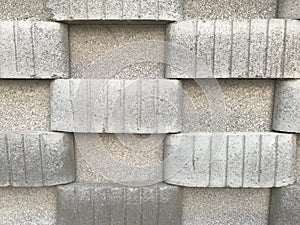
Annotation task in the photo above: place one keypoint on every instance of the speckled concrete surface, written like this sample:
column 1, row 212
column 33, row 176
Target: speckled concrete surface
column 248, row 106
column 30, row 206
column 225, row 206
column 90, row 45
column 224, row 9
column 24, row 105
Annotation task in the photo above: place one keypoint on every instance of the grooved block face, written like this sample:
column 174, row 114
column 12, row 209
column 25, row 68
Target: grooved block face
column 255, row 48
column 114, row 204
column 116, row 106
column 111, row 10
column 255, row 160
column 287, row 106
column 33, row 50
column 289, row 9
column 33, row 159
column 285, row 206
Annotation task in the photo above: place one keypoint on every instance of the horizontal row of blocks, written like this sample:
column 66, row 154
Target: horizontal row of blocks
column 143, row 106
column 195, row 49
column 256, row 160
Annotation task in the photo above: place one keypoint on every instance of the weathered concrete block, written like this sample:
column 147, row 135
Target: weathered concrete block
column 234, row 49
column 113, row 204
column 81, row 10
column 289, row 9
column 30, row 159
column 287, row 106
column 33, row 50
column 258, row 160
column 285, row 206
column 116, row 106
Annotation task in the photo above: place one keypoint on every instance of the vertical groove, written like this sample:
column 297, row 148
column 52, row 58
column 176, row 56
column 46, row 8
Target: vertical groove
column 276, row 160
column 122, row 10
column 158, row 11
column 41, row 156
column 104, row 8
column 259, row 159
column 92, row 203
column 267, row 47
column 249, row 48
column 244, row 157
column 140, row 8
column 196, row 48
column 69, row 9
column 124, row 104
column 108, row 202
column 231, row 49
column 32, row 33
column 15, row 45
column 214, row 50
column 8, row 160
column 76, row 203
column 158, row 203
column 193, row 157
column 142, row 205
column 71, row 99
column 126, row 207
column 226, row 168
column 87, row 9
column 24, row 157
column 284, row 50
column 210, row 160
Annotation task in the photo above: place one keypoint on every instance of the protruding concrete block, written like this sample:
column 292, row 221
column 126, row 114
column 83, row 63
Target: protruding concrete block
column 285, row 206
column 289, row 9
column 82, row 10
column 234, row 49
column 30, row 159
column 116, row 106
column 113, row 204
column 258, row 160
column 33, row 50
column 287, row 106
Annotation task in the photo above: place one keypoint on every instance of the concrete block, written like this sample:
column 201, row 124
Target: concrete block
column 289, row 9
column 114, row 204
column 223, row 206
column 110, row 10
column 229, row 9
column 116, row 106
column 287, row 106
column 285, row 206
column 33, row 50
column 31, row 159
column 234, row 49
column 256, row 160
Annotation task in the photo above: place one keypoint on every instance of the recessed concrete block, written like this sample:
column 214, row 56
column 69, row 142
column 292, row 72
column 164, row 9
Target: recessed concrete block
column 258, row 160
column 285, row 206
column 289, row 9
column 287, row 106
column 31, row 159
column 81, row 10
column 116, row 106
column 114, row 204
column 234, row 49
column 33, row 50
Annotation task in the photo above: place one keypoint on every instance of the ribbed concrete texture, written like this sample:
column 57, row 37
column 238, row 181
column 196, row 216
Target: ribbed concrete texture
column 234, row 49
column 117, row 51
column 289, row 9
column 287, row 106
column 30, row 159
column 33, row 50
column 78, row 10
column 228, row 9
column 285, row 206
column 99, row 204
column 258, row 160
column 219, row 206
column 116, row 106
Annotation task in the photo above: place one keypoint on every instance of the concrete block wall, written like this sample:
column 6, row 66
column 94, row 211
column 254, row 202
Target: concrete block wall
column 111, row 111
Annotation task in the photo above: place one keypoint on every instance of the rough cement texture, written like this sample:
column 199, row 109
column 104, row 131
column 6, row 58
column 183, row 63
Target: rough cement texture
column 287, row 106
column 257, row 160
column 234, row 49
column 24, row 105
column 116, row 51
column 225, row 9
column 298, row 159
column 225, row 206
column 285, row 206
column 30, row 206
column 31, row 159
column 248, row 106
column 34, row 50
column 116, row 106
column 289, row 9
column 78, row 10
column 113, row 204
column 121, row 158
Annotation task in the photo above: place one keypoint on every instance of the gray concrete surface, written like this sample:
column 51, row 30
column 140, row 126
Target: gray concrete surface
column 114, row 204
column 34, row 50
column 289, row 9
